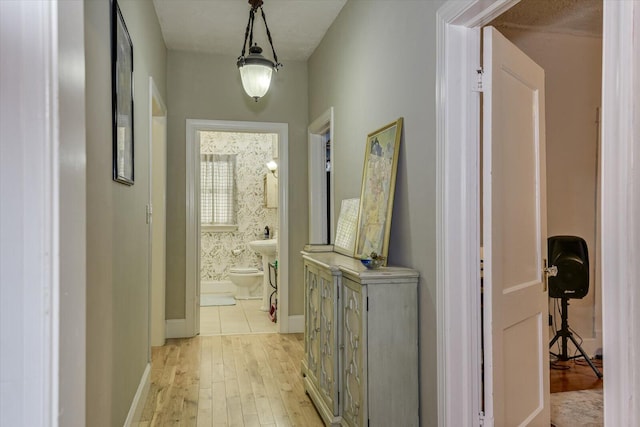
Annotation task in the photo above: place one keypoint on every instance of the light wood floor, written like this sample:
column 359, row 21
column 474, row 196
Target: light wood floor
column 232, row 380
column 255, row 380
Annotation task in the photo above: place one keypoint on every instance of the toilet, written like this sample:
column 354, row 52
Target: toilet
column 248, row 282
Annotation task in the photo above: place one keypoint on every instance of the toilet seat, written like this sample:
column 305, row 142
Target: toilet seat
column 243, row 270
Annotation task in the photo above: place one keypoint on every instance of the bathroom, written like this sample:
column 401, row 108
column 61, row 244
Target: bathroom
column 238, row 205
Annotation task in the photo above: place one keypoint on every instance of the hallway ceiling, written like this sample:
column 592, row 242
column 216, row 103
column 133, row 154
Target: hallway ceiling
column 218, row 26
column 580, row 17
column 298, row 26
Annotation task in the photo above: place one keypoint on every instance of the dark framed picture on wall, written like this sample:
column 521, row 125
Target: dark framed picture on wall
column 122, row 98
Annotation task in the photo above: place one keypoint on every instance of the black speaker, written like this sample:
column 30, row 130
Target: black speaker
column 570, row 255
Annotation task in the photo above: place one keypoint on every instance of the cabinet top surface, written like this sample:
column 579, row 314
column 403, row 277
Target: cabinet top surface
column 334, row 260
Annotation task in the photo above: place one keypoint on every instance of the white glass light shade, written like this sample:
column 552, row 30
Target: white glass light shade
column 255, row 72
column 256, row 79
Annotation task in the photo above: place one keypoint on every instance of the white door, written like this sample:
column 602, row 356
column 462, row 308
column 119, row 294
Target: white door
column 515, row 235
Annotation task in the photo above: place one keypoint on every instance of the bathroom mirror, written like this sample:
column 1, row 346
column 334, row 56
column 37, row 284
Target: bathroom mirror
column 270, row 191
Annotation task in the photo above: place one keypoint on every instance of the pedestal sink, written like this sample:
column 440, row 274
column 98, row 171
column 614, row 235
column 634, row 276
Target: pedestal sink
column 267, row 249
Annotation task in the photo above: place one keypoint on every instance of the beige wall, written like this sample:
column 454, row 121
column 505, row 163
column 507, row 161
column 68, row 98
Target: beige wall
column 73, row 219
column 377, row 63
column 201, row 86
column 573, row 92
column 117, row 234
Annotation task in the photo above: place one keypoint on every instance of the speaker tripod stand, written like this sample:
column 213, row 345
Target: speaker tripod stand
column 565, row 334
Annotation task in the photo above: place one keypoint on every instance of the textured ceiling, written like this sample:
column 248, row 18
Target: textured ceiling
column 581, row 17
column 218, row 26
column 297, row 26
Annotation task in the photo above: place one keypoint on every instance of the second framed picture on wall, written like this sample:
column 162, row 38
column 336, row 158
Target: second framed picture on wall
column 378, row 186
column 122, row 98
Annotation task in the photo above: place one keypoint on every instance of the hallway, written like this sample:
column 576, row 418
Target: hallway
column 230, row 380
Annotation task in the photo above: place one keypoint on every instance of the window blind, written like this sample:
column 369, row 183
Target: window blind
column 217, row 189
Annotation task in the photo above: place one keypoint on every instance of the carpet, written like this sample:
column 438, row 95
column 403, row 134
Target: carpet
column 582, row 408
column 207, row 300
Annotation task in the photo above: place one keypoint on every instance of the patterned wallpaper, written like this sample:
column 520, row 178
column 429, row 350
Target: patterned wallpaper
column 217, row 248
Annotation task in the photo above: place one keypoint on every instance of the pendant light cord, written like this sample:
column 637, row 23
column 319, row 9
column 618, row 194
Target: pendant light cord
column 275, row 57
column 248, row 34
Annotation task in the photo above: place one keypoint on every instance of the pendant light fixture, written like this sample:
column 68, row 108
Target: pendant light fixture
column 255, row 69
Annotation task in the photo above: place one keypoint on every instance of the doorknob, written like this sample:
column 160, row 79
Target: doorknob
column 549, row 271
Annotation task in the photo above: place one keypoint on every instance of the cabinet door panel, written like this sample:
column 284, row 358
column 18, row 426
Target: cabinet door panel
column 328, row 340
column 313, row 322
column 353, row 369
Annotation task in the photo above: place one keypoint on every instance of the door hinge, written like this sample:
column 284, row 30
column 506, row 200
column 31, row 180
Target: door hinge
column 481, row 417
column 479, row 73
column 149, row 213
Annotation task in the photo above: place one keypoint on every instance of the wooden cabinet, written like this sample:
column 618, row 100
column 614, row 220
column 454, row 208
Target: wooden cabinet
column 361, row 342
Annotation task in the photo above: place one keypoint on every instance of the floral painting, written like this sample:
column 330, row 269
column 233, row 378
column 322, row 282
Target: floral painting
column 378, row 184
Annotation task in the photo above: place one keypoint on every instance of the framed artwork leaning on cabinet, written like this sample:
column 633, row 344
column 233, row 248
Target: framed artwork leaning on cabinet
column 378, row 187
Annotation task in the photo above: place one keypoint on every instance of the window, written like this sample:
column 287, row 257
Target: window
column 218, row 191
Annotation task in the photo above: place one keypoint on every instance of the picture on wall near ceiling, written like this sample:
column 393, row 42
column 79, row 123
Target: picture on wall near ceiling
column 122, row 98
column 378, row 185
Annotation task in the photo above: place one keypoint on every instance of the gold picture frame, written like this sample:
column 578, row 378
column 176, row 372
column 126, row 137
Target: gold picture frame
column 378, row 188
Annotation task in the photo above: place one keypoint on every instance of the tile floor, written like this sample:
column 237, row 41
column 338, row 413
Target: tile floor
column 243, row 318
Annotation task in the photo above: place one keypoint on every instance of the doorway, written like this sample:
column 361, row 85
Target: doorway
column 194, row 129
column 321, row 179
column 572, row 70
column 238, row 217
column 156, row 215
column 573, row 75
column 459, row 234
column 573, row 81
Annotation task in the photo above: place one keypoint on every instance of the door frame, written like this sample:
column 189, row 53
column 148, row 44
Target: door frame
column 193, row 214
column 157, row 112
column 318, row 201
column 43, row 279
column 458, row 208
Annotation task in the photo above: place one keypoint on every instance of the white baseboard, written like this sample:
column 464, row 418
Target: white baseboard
column 176, row 328
column 140, row 398
column 296, row 324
